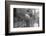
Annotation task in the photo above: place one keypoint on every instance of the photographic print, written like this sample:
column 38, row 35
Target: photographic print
column 24, row 17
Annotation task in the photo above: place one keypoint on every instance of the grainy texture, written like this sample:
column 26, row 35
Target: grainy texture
column 26, row 17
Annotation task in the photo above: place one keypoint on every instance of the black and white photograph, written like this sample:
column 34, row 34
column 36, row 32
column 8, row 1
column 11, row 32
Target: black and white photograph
column 24, row 17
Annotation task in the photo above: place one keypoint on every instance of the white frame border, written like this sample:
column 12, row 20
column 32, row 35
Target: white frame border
column 29, row 28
